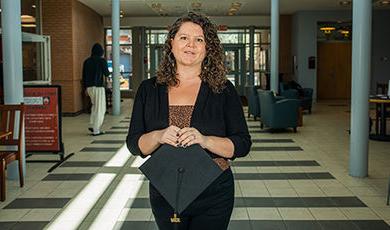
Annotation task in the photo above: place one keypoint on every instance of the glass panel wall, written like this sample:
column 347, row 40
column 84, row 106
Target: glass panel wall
column 155, row 41
column 125, row 57
column 235, row 36
column 262, row 56
column 262, row 50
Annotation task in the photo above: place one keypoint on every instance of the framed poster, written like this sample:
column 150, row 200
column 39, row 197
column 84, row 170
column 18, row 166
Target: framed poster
column 43, row 118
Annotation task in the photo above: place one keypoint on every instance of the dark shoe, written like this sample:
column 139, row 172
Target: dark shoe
column 90, row 129
column 98, row 134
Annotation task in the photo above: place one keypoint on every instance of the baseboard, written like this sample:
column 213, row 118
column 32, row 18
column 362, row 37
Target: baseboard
column 75, row 114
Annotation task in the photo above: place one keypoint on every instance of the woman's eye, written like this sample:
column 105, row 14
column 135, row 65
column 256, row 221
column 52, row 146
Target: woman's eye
column 200, row 40
column 183, row 38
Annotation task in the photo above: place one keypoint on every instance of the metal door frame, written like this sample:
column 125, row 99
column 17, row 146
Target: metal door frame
column 240, row 66
column 153, row 55
column 44, row 56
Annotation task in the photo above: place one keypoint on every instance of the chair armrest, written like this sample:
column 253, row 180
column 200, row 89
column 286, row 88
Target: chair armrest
column 288, row 102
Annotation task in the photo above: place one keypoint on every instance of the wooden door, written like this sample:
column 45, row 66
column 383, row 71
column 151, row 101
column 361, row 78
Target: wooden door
column 334, row 70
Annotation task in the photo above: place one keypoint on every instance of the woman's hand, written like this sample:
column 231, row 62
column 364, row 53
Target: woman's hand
column 168, row 135
column 189, row 136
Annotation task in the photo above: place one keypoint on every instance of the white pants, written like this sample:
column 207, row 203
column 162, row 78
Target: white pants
column 98, row 110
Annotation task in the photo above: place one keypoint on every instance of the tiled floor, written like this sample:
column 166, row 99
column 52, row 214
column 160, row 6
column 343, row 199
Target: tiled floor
column 288, row 181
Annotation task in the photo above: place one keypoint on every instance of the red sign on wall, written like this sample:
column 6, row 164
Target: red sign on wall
column 42, row 121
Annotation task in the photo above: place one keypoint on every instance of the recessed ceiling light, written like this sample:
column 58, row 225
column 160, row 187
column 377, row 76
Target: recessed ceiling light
column 156, row 5
column 34, row 6
column 345, row 3
column 29, row 25
column 236, row 4
column 196, row 4
column 27, row 19
column 384, row 2
column 327, row 29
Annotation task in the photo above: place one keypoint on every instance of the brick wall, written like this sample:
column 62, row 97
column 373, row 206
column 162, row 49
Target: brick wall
column 73, row 28
column 87, row 30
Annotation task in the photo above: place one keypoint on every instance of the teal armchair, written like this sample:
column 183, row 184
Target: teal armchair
column 278, row 114
column 304, row 95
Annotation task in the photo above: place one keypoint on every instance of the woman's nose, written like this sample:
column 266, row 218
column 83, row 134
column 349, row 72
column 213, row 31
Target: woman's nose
column 191, row 43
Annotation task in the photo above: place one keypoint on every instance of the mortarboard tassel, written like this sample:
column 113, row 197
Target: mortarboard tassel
column 175, row 219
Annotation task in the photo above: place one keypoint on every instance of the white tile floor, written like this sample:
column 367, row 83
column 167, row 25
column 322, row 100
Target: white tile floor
column 323, row 137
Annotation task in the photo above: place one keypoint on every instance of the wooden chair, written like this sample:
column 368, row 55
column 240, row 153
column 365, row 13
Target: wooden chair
column 8, row 152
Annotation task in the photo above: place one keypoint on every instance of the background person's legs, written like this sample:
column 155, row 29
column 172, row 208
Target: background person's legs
column 101, row 107
column 91, row 94
column 98, row 100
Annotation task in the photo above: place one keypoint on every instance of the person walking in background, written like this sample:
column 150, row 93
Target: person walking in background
column 95, row 70
column 192, row 102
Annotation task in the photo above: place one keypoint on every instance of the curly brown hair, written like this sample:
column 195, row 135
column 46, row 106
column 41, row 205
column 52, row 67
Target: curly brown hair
column 213, row 68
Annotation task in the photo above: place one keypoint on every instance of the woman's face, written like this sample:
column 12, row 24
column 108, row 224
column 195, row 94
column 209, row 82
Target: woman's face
column 189, row 45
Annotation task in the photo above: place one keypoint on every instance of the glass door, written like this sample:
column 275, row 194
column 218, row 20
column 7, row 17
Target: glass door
column 155, row 54
column 235, row 63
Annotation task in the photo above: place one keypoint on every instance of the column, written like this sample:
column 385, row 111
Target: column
column 12, row 63
column 361, row 64
column 116, row 93
column 275, row 45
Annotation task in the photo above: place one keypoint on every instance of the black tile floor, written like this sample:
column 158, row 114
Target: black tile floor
column 276, row 148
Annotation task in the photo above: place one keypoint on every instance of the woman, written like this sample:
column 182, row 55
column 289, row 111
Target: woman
column 192, row 102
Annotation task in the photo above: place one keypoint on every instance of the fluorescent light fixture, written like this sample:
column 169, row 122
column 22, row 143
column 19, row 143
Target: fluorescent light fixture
column 139, row 161
column 120, row 158
column 80, row 206
column 125, row 192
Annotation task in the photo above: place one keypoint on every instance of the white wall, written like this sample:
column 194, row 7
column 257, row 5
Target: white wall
column 304, row 42
column 380, row 59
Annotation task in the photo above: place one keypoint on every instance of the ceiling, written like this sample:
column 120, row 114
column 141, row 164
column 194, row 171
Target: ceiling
column 152, row 8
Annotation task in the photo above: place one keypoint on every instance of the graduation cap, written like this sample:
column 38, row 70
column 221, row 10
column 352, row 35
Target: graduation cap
column 180, row 174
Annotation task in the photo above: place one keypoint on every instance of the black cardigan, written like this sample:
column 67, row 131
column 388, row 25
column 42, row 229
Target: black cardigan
column 215, row 114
